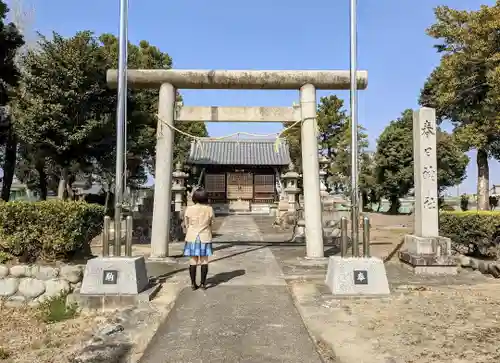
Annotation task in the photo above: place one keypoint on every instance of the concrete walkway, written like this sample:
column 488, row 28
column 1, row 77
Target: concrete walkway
column 246, row 315
column 241, row 228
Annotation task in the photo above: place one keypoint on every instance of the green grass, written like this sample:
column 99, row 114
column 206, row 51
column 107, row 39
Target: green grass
column 473, row 212
column 4, row 354
column 57, row 309
column 4, row 257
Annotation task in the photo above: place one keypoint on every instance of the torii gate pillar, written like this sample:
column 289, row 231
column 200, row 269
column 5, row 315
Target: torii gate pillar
column 162, row 209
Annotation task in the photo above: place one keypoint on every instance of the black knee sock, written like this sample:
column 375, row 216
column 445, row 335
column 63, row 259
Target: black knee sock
column 192, row 274
column 204, row 272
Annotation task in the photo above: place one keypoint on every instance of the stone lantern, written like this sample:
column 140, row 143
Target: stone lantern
column 291, row 178
column 178, row 188
column 324, row 162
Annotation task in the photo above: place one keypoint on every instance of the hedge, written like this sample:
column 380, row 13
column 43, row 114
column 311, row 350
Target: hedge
column 48, row 230
column 472, row 232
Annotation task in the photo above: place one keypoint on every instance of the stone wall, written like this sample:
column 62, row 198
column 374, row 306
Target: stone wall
column 485, row 267
column 31, row 284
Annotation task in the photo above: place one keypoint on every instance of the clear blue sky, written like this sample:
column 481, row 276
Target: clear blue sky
column 279, row 34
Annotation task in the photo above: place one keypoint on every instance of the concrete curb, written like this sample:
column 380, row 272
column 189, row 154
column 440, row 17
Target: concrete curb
column 141, row 346
column 325, row 351
column 329, row 341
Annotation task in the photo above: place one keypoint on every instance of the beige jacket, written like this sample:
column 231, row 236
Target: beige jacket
column 198, row 220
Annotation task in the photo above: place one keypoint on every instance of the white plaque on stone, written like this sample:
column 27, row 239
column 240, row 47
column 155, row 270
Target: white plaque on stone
column 115, row 276
column 357, row 276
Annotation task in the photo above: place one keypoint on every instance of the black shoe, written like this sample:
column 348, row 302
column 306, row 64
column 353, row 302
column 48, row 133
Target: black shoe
column 204, row 272
column 192, row 275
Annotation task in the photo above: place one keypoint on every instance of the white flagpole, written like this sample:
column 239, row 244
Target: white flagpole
column 120, row 124
column 354, row 130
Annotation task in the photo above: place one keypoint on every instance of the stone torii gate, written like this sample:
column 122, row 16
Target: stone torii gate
column 306, row 81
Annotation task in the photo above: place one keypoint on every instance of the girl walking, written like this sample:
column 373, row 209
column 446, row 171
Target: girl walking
column 198, row 220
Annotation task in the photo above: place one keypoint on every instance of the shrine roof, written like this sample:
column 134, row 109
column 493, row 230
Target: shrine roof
column 260, row 152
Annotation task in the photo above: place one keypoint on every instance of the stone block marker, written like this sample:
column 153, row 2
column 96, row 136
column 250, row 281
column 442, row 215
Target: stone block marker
column 115, row 281
column 357, row 276
column 425, row 251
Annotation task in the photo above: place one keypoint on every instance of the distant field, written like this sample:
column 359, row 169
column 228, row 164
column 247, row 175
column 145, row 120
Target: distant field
column 407, row 205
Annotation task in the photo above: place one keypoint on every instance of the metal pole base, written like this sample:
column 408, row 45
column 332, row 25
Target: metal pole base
column 366, row 236
column 106, row 237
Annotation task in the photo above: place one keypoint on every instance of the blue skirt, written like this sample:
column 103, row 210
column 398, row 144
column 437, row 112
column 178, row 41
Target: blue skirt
column 197, row 249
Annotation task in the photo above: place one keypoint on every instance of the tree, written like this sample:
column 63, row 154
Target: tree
column 340, row 169
column 334, row 137
column 143, row 107
column 370, row 190
column 65, row 107
column 39, row 174
column 465, row 87
column 141, row 117
column 67, row 112
column 493, row 202
column 394, row 160
column 10, row 42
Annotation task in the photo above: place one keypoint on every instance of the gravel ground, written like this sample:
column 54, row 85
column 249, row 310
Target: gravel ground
column 427, row 319
column 436, row 324
column 26, row 339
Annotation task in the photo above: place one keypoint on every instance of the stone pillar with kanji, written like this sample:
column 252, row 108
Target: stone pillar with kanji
column 424, row 250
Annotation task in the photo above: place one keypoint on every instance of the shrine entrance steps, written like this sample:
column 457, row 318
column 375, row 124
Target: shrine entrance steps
column 242, row 207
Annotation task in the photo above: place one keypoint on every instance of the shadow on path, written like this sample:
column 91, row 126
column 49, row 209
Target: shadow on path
column 162, row 277
column 223, row 277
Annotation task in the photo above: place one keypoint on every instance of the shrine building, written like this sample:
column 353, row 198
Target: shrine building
column 240, row 174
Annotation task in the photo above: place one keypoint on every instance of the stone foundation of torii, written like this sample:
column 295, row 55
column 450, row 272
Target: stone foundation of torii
column 306, row 81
